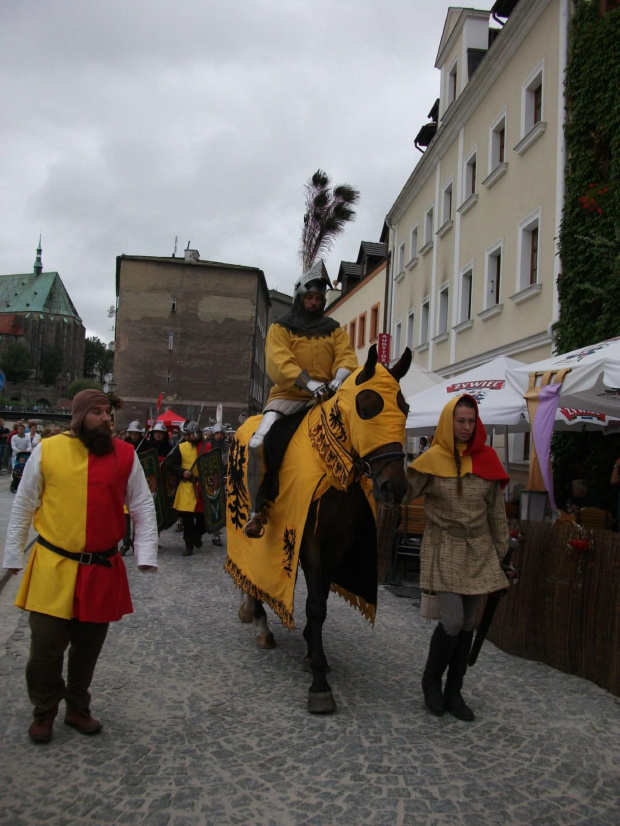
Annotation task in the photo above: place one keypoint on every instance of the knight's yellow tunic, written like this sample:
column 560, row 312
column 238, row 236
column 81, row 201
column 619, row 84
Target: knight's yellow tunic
column 287, row 354
column 185, row 499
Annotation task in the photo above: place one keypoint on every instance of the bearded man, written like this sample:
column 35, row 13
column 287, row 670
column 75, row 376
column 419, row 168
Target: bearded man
column 73, row 488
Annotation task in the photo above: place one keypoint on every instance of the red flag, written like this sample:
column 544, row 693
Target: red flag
column 160, row 399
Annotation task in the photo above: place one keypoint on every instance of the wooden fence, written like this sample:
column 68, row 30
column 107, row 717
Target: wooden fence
column 565, row 609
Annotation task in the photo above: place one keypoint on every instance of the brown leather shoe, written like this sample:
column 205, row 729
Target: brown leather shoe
column 40, row 730
column 254, row 527
column 82, row 721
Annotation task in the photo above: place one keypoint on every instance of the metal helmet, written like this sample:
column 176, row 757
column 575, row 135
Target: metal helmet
column 217, row 428
column 191, row 427
column 135, row 427
column 159, row 427
column 317, row 277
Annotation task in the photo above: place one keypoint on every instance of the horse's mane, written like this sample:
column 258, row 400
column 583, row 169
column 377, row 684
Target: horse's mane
column 276, row 443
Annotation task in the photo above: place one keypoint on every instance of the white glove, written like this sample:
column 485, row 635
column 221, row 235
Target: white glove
column 319, row 390
column 341, row 375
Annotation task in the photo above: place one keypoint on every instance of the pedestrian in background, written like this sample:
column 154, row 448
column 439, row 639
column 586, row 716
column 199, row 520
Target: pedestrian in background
column 33, row 435
column 465, row 539
column 4, row 444
column 75, row 583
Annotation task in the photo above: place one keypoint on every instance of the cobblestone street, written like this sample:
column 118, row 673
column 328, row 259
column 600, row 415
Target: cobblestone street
column 201, row 727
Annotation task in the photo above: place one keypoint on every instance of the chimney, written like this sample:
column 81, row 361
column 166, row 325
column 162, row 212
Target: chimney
column 191, row 256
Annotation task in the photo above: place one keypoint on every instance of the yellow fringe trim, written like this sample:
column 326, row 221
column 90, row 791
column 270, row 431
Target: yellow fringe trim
column 241, row 581
column 365, row 608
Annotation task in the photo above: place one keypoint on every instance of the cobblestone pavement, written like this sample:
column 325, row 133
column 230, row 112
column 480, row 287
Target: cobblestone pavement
column 201, row 727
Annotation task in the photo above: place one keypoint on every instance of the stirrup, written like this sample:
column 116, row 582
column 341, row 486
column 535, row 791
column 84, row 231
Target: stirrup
column 254, row 528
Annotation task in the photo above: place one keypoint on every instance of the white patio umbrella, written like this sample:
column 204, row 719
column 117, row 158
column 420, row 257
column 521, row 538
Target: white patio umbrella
column 591, row 383
column 499, row 407
column 418, row 380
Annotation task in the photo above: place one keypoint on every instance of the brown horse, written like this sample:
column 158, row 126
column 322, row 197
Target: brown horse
column 347, row 451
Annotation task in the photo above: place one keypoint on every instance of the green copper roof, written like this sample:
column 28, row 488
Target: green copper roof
column 30, row 293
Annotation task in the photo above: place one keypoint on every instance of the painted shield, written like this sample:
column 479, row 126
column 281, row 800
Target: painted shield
column 211, row 478
column 162, row 485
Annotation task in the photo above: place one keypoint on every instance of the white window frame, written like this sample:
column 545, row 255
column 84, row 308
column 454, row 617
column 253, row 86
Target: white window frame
column 446, row 208
column 413, row 248
column 500, row 122
column 398, row 327
column 524, row 252
column 443, row 305
column 535, row 80
column 491, row 256
column 425, row 322
column 470, row 181
column 452, row 89
column 466, row 293
column 410, row 328
column 429, row 224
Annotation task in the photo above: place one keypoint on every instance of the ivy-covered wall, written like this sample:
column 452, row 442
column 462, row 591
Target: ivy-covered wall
column 589, row 287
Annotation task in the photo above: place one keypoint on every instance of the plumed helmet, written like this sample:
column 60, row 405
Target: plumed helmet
column 191, row 427
column 159, row 427
column 134, row 427
column 314, row 278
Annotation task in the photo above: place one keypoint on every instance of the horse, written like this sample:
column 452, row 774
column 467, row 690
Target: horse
column 346, row 453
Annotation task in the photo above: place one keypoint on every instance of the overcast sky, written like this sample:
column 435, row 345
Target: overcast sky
column 129, row 122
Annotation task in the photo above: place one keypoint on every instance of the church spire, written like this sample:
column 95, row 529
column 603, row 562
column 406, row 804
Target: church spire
column 38, row 265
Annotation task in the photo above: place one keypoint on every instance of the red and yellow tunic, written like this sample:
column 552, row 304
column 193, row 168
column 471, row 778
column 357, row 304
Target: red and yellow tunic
column 81, row 510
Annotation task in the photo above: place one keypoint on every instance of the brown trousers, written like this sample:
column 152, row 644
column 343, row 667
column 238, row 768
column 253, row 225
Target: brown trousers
column 50, row 637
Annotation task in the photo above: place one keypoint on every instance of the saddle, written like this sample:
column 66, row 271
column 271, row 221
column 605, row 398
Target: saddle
column 275, row 446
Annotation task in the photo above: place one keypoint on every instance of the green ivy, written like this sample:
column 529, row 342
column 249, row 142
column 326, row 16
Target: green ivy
column 589, row 286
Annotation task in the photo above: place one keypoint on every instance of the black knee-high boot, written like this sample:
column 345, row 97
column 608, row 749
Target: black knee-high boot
column 439, row 655
column 456, row 672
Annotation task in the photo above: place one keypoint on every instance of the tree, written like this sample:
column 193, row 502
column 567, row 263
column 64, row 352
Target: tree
column 52, row 363
column 98, row 360
column 82, row 384
column 16, row 363
column 327, row 212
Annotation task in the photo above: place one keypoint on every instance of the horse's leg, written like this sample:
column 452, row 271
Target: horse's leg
column 246, row 609
column 320, row 697
column 264, row 637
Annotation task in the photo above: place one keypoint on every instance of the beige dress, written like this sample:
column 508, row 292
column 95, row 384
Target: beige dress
column 461, row 564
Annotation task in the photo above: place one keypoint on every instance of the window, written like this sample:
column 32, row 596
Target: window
column 401, row 257
column 410, row 320
column 452, row 83
column 428, row 226
column 424, row 321
column 470, row 175
column 361, row 330
column 352, row 331
column 442, row 317
column 498, row 142
column 493, row 275
column 466, row 293
column 168, row 377
column 447, row 203
column 532, row 100
column 397, row 334
column 528, row 252
column 414, row 243
column 173, row 309
column 374, row 322
column 170, row 339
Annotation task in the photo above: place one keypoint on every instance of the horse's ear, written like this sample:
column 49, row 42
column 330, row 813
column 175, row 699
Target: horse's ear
column 368, row 370
column 402, row 365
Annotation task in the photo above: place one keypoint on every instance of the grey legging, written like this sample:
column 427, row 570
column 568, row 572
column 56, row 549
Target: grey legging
column 457, row 612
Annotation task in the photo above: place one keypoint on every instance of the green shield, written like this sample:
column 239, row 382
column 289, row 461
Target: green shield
column 211, row 477
column 162, row 485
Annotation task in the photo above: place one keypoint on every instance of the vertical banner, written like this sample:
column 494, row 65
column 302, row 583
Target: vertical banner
column 383, row 348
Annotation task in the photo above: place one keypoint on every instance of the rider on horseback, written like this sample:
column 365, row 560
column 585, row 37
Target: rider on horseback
column 308, row 357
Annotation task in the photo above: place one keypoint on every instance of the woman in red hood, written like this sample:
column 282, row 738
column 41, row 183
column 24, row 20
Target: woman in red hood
column 465, row 539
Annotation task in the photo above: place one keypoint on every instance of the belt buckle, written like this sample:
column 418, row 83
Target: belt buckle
column 83, row 560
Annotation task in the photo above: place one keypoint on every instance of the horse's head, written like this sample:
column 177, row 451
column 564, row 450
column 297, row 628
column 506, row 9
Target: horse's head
column 375, row 411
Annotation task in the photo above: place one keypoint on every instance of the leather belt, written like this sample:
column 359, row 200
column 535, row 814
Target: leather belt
column 458, row 531
column 83, row 557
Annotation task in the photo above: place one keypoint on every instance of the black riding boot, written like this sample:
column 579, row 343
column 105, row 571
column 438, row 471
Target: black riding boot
column 439, row 654
column 454, row 681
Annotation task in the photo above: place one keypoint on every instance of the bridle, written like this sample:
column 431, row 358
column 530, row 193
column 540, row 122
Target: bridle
column 364, row 466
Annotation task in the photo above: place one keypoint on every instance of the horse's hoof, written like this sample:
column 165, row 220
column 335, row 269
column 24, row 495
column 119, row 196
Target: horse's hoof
column 244, row 614
column 307, row 662
column 321, row 702
column 266, row 640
